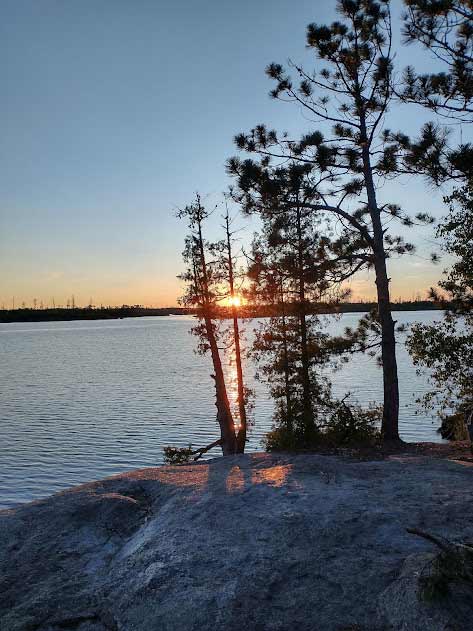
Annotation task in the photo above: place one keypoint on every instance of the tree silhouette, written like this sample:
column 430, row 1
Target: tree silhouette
column 202, row 292
column 445, row 29
column 293, row 267
column 446, row 347
column 351, row 93
column 229, row 271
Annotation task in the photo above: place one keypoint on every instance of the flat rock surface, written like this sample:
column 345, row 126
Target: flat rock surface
column 260, row 541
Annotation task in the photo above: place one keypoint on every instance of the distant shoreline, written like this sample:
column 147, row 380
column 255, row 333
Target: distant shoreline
column 85, row 313
column 115, row 313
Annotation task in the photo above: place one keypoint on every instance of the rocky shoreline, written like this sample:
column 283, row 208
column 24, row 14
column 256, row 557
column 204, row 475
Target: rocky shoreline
column 259, row 541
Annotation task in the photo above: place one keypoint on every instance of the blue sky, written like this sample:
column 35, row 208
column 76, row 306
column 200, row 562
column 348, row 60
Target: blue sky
column 115, row 112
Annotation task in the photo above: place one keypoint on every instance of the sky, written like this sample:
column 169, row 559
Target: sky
column 115, row 112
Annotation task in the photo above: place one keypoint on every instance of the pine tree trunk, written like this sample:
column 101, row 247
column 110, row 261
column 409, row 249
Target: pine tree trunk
column 289, row 423
column 242, row 430
column 306, row 389
column 224, row 415
column 390, row 422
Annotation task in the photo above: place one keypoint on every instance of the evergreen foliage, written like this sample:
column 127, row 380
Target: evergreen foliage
column 203, row 277
column 446, row 348
column 445, row 29
column 350, row 92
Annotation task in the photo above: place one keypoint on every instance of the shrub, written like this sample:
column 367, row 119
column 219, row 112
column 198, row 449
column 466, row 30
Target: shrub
column 280, row 439
column 349, row 426
column 453, row 427
column 178, row 455
column 346, row 426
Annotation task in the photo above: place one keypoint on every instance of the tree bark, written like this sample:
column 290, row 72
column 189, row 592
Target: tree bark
column 224, row 415
column 287, row 386
column 306, row 389
column 390, row 422
column 242, row 430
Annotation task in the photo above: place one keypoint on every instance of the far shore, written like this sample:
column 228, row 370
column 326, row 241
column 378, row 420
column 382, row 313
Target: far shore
column 137, row 311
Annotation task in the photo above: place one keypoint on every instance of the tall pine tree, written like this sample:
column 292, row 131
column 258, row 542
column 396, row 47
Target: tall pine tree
column 350, row 93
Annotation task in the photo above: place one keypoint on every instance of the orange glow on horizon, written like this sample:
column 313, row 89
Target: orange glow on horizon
column 234, row 301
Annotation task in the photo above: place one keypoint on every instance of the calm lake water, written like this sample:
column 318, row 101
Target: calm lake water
column 84, row 400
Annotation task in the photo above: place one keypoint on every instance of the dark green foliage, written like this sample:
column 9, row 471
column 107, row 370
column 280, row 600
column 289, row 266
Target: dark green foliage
column 300, row 407
column 446, row 348
column 453, row 427
column 457, row 233
column 445, row 28
column 345, row 426
column 353, row 426
column 295, row 264
column 280, row 438
column 290, row 268
column 178, row 455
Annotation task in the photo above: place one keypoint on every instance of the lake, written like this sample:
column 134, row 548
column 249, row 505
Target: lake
column 86, row 399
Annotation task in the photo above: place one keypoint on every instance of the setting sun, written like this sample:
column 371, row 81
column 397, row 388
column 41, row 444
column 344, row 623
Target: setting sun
column 234, row 301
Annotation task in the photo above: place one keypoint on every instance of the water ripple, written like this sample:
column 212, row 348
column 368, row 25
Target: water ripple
column 83, row 400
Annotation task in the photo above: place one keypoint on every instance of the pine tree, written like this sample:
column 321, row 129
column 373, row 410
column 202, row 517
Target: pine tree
column 351, row 93
column 445, row 29
column 291, row 271
column 202, row 280
column 446, row 347
column 228, row 278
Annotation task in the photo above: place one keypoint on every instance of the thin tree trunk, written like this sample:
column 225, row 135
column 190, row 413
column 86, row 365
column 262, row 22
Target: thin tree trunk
column 224, row 415
column 242, row 430
column 390, row 423
column 289, row 423
column 306, row 389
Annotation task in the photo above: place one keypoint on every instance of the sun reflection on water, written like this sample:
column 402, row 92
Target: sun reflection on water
column 231, row 380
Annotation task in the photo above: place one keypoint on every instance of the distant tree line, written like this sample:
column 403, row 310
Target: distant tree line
column 245, row 310
column 86, row 313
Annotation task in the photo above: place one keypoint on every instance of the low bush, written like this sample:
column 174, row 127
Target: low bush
column 345, row 427
column 453, row 427
column 178, row 455
column 350, row 426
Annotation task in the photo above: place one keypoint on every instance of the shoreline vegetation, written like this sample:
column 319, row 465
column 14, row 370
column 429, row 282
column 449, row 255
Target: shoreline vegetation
column 28, row 314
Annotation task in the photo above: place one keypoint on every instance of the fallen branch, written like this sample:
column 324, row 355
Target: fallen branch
column 184, row 455
column 443, row 544
column 454, row 564
column 200, row 452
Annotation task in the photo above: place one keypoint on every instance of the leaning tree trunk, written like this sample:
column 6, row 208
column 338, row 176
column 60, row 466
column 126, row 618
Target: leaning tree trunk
column 390, row 422
column 224, row 415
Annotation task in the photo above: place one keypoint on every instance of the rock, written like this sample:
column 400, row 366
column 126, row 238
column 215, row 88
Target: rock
column 270, row 542
column 404, row 608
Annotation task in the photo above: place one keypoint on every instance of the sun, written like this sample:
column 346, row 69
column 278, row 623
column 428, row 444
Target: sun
column 234, row 301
